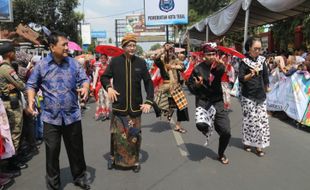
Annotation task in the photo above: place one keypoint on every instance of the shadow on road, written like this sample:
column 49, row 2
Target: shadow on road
column 143, row 156
column 236, row 142
column 66, row 178
column 159, row 127
column 198, row 152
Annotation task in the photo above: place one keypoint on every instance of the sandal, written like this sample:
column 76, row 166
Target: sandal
column 180, row 130
column 247, row 148
column 223, row 160
column 260, row 153
column 136, row 168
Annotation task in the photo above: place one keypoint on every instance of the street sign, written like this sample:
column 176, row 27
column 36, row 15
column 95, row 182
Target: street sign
column 165, row 12
column 6, row 13
column 99, row 34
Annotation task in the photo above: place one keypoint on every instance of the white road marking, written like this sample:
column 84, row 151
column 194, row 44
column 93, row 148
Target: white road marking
column 178, row 138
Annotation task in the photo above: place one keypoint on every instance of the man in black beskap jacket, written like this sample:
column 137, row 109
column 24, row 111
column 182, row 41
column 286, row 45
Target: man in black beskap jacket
column 205, row 84
column 127, row 72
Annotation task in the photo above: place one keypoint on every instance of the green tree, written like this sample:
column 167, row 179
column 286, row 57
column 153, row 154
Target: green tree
column 284, row 31
column 55, row 15
column 199, row 9
column 155, row 47
column 110, row 41
column 92, row 46
column 139, row 50
column 306, row 28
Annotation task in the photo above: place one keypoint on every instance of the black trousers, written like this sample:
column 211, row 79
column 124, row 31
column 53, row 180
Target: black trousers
column 222, row 126
column 73, row 140
column 28, row 132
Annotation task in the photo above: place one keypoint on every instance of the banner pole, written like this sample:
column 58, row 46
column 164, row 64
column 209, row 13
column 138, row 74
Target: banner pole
column 167, row 33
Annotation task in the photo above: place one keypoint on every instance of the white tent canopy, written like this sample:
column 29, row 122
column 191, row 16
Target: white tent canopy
column 241, row 14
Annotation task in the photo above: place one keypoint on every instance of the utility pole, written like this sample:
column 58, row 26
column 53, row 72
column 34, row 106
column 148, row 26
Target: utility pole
column 167, row 33
column 116, row 36
column 120, row 30
column 83, row 12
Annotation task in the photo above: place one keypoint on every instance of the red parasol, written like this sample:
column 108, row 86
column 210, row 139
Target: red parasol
column 109, row 50
column 231, row 51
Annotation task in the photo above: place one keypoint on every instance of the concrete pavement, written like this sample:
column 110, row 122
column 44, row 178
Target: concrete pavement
column 173, row 161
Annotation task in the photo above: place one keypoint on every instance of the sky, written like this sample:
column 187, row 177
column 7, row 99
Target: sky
column 114, row 9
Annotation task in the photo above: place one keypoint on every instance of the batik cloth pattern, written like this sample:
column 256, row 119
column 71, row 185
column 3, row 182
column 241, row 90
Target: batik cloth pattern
column 207, row 117
column 103, row 105
column 255, row 125
column 126, row 140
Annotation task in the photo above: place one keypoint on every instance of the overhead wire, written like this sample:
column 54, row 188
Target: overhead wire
column 113, row 15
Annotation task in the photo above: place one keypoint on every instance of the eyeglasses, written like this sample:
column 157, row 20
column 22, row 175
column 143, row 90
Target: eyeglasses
column 257, row 49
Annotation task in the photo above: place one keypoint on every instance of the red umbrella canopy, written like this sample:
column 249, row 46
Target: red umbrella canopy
column 231, row 51
column 108, row 50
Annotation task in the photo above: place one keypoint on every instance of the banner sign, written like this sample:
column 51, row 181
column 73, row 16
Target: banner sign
column 99, row 34
column 291, row 95
column 165, row 12
column 6, row 13
column 306, row 119
column 135, row 24
column 86, row 35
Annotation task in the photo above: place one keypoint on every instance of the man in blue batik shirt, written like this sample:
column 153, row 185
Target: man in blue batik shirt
column 61, row 80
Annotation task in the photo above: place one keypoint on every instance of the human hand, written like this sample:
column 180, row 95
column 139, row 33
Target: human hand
column 30, row 110
column 253, row 72
column 168, row 66
column 112, row 94
column 83, row 92
column 10, row 87
column 145, row 108
column 220, row 60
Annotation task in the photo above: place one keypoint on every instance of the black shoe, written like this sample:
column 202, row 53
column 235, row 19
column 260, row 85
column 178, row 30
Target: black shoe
column 12, row 167
column 28, row 156
column 110, row 164
column 12, row 173
column 82, row 184
column 39, row 142
column 21, row 165
column 4, row 181
column 137, row 168
column 6, row 175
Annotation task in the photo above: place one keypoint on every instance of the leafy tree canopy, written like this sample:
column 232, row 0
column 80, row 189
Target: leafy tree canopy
column 139, row 50
column 155, row 47
column 199, row 9
column 55, row 15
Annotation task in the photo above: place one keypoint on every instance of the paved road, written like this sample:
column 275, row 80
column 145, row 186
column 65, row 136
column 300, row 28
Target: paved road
column 171, row 161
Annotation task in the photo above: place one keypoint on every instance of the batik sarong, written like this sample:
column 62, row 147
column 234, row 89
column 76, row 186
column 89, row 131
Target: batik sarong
column 126, row 140
column 255, row 125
